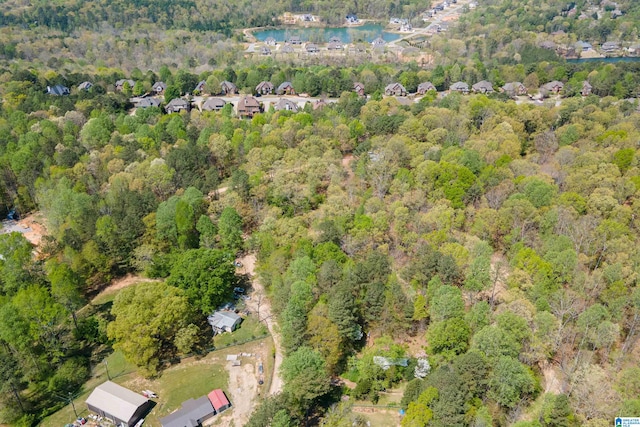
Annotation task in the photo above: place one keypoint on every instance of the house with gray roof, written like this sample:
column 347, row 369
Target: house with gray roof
column 85, row 86
column 228, row 88
column 395, row 89
column 483, row 86
column 552, row 87
column 335, row 46
column 378, row 42
column 287, row 49
column 213, row 104
column 176, row 105
column 147, row 102
column 461, row 87
column 425, row 87
column 224, row 321
column 265, row 88
column 120, row 84
column 270, row 41
column 514, row 89
column 358, row 88
column 119, row 405
column 295, row 40
column 311, row 48
column 583, row 46
column 58, row 90
column 200, row 86
column 247, row 107
column 159, row 88
column 265, row 51
column 586, row 88
column 192, row 413
column 610, row 47
column 286, row 88
column 284, row 104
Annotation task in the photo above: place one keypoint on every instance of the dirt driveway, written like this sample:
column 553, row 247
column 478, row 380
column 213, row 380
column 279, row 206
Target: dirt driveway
column 260, row 305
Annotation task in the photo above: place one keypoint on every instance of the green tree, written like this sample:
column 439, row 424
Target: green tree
column 418, row 413
column 305, row 375
column 449, row 337
column 148, row 317
column 510, row 382
column 230, row 229
column 206, row 275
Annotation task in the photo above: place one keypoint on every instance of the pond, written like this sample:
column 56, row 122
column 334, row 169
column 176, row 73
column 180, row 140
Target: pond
column 606, row 60
column 366, row 32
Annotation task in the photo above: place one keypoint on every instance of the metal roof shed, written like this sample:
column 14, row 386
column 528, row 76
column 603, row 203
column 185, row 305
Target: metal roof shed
column 120, row 405
column 219, row 400
column 192, row 414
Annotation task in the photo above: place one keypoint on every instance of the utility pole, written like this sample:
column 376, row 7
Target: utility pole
column 72, row 405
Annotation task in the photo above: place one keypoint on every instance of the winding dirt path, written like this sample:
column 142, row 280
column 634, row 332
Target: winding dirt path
column 260, row 305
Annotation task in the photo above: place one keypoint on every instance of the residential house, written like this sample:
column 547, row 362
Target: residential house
column 147, row 102
column 265, row 51
column 425, row 87
column 85, row 86
column 358, row 88
column 295, row 40
column 514, row 89
column 248, row 106
column 287, row 49
column 218, row 400
column 352, row 18
column 335, row 46
column 586, row 88
column 311, row 48
column 548, row 44
column 265, row 88
column 616, row 13
column 552, row 87
column 228, row 88
column 176, row 105
column 270, row 41
column 284, row 104
column 634, row 49
column 395, row 89
column 461, row 87
column 319, row 104
column 378, row 42
column 582, row 46
column 213, row 104
column 120, row 84
column 610, row 47
column 482, row 87
column 121, row 406
column 192, row 413
column 307, row 17
column 159, row 88
column 58, row 90
column 200, row 87
column 285, row 88
column 222, row 320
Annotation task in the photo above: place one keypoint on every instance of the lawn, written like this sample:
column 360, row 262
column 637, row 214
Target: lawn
column 250, row 328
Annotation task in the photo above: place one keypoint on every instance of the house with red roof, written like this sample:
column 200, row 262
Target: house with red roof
column 219, row 400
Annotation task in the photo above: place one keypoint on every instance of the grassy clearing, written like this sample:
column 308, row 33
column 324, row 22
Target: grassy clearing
column 250, row 328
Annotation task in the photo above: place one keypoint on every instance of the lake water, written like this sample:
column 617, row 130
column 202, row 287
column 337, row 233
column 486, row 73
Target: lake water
column 607, row 60
column 366, row 32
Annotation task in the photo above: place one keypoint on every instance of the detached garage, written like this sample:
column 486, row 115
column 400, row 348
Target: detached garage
column 118, row 404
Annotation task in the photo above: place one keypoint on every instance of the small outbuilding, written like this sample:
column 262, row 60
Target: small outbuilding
column 224, row 321
column 118, row 404
column 219, row 400
column 192, row 413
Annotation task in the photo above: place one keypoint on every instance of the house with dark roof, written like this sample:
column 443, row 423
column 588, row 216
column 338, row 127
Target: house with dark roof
column 285, row 88
column 514, row 89
column 270, row 41
column 295, row 40
column 248, row 106
column 265, row 88
column 159, row 88
column 120, row 84
column 482, row 86
column 176, row 105
column 610, row 47
column 586, row 88
column 425, row 87
column 335, row 46
column 287, row 49
column 265, row 51
column 192, row 413
column 58, row 90
column 461, row 87
column 224, row 321
column 228, row 88
column 200, row 87
column 147, row 102
column 311, row 48
column 351, row 18
column 395, row 89
column 85, row 86
column 218, row 400
column 213, row 104
column 121, row 406
column 378, row 42
column 552, row 87
column 358, row 88
column 284, row 104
